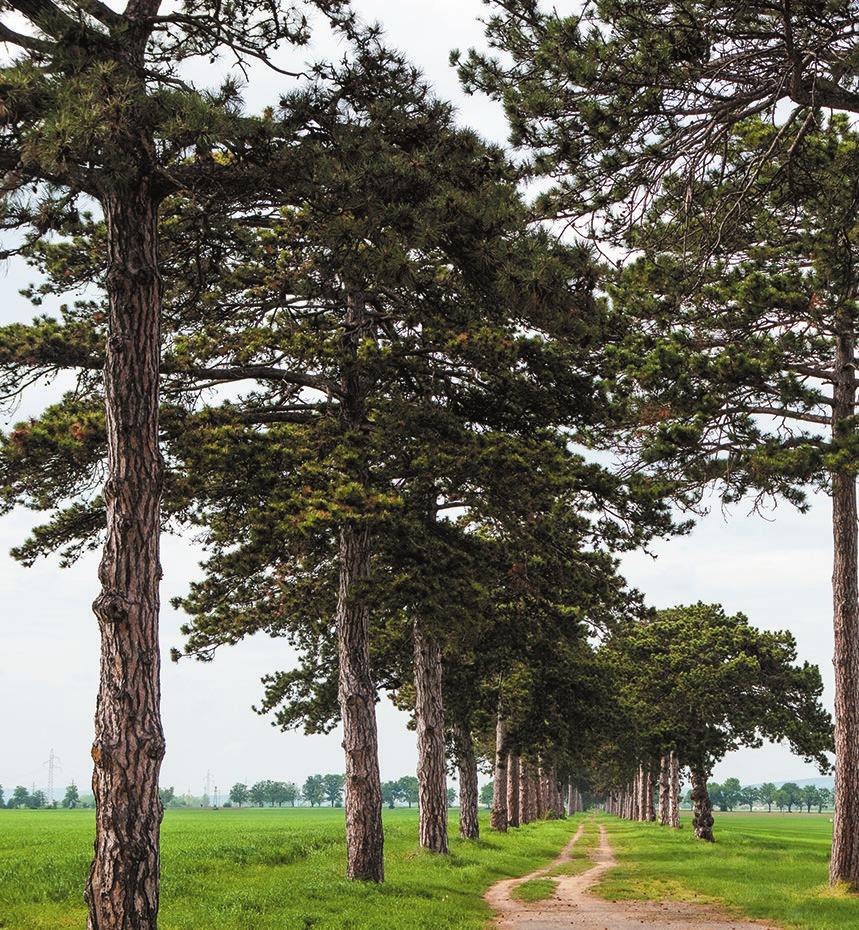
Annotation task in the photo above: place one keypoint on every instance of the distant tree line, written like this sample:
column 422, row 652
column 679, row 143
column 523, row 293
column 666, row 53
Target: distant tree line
column 316, row 791
column 730, row 795
column 37, row 799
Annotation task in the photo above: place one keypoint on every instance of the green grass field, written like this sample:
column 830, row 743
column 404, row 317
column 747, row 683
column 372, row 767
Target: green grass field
column 768, row 866
column 283, row 869
column 231, row 869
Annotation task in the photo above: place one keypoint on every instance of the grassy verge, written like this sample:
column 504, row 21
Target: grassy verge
column 580, row 856
column 270, row 870
column 766, row 866
column 536, row 889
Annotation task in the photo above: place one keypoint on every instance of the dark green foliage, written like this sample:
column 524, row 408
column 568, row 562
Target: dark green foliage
column 313, row 790
column 727, row 366
column 333, row 787
column 707, row 683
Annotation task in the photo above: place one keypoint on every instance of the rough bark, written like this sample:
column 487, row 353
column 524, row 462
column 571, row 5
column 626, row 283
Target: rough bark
column 674, row 790
column 649, row 812
column 432, row 767
column 123, row 886
column 525, row 797
column 498, row 816
column 571, row 798
column 545, row 806
column 844, row 863
column 664, row 790
column 357, row 695
column 513, row 813
column 702, row 809
column 468, row 792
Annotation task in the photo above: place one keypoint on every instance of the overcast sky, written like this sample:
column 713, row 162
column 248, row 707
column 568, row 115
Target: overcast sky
column 775, row 570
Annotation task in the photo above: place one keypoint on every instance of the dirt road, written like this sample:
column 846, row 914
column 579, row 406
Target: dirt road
column 572, row 908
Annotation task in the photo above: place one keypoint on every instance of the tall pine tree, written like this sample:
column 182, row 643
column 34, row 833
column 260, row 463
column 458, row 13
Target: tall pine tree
column 94, row 106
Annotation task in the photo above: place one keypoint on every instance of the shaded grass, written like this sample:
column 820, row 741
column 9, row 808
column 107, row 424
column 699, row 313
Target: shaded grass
column 269, row 870
column 767, row 866
column 536, row 889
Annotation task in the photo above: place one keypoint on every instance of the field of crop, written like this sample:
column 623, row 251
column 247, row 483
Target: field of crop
column 237, row 869
column 768, row 866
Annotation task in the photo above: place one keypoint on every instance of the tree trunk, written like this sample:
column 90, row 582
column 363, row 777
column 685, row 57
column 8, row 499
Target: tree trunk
column 513, row 814
column 674, row 790
column 357, row 694
column 557, row 797
column 844, row 863
column 664, row 790
column 548, row 796
column 535, row 811
column 571, row 798
column 545, row 799
column 650, row 813
column 525, row 796
column 432, row 767
column 537, row 783
column 468, row 793
column 123, row 886
column 702, row 809
column 498, row 817
column 633, row 796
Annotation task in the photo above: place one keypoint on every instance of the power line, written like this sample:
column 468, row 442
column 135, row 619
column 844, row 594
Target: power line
column 53, row 764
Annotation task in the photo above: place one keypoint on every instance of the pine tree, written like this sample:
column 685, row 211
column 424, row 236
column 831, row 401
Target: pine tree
column 94, row 106
column 610, row 99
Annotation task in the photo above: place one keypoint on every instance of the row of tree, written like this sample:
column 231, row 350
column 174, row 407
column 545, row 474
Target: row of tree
column 332, row 343
column 718, row 172
column 390, row 485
